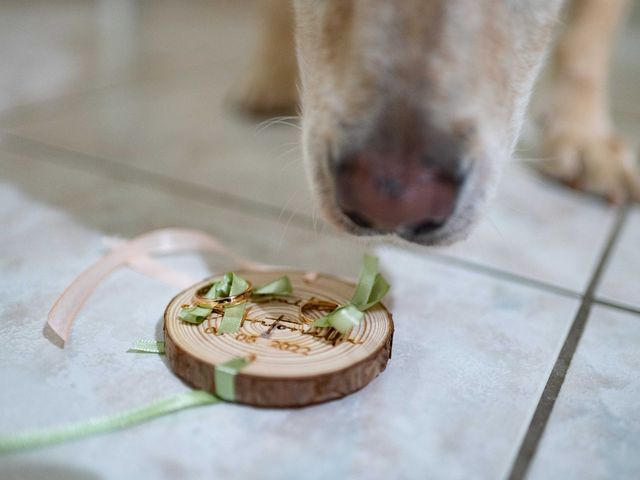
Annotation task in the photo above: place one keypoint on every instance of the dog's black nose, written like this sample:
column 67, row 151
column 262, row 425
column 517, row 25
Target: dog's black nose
column 388, row 194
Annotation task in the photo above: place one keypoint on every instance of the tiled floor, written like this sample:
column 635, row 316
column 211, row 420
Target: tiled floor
column 113, row 121
column 594, row 412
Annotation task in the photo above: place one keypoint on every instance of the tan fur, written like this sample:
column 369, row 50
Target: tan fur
column 467, row 66
column 270, row 85
column 580, row 142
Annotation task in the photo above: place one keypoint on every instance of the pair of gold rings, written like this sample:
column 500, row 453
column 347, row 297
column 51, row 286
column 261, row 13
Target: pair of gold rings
column 219, row 304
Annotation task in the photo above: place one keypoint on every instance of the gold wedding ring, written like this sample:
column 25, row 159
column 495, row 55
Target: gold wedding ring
column 218, row 304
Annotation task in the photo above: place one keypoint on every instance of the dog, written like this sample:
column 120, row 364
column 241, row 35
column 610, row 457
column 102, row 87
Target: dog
column 410, row 108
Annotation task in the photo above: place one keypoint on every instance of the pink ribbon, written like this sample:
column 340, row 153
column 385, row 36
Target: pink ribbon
column 136, row 253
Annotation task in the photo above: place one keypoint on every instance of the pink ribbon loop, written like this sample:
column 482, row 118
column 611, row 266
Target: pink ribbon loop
column 136, row 253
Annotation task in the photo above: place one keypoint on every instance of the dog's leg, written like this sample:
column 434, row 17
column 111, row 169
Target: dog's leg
column 579, row 142
column 270, row 85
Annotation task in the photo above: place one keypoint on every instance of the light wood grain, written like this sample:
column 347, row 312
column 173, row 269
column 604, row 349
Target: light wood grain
column 294, row 366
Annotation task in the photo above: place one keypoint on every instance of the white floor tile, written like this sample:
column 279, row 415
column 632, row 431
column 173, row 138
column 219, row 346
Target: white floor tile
column 621, row 280
column 540, row 230
column 594, row 429
column 53, row 52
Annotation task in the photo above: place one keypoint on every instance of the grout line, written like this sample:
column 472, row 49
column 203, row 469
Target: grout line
column 547, row 400
column 617, row 305
column 504, row 275
column 123, row 172
column 139, row 176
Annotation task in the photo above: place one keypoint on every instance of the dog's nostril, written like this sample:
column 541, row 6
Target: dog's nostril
column 424, row 228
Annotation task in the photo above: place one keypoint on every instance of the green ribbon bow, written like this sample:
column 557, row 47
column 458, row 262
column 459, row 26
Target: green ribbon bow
column 229, row 285
column 370, row 289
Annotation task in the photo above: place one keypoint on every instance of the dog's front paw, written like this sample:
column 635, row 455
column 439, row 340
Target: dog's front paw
column 602, row 164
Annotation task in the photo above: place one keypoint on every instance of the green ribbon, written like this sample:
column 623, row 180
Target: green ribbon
column 223, row 374
column 222, row 287
column 280, row 286
column 229, row 285
column 195, row 314
column 225, row 377
column 233, row 314
column 147, row 346
column 129, row 418
column 370, row 289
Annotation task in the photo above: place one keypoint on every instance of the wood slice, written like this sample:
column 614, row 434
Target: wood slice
column 292, row 368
